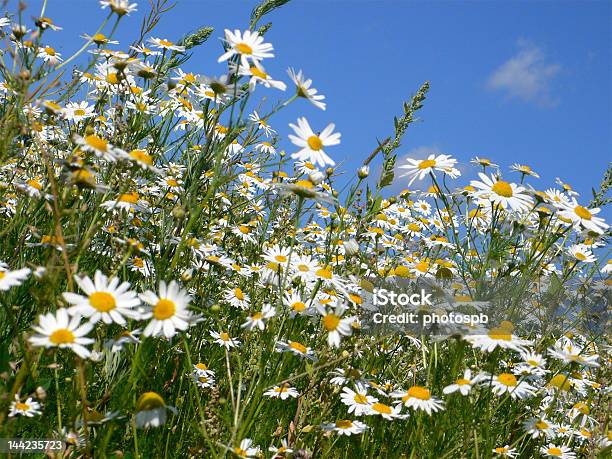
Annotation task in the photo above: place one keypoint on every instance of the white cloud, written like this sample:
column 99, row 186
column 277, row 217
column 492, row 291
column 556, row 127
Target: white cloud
column 527, row 76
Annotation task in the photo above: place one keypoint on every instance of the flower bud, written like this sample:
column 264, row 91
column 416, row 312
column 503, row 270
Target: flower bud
column 363, row 172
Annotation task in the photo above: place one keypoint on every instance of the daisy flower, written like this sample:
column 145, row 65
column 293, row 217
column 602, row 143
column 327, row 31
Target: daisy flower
column 29, row 408
column 505, row 451
column 60, row 330
column 49, row 55
column 106, row 300
column 303, row 88
column 498, row 337
column 281, row 452
column 538, row 427
column 78, row 111
column 345, row 427
column 417, row 169
column 119, row 7
column 10, row 279
column 151, row 410
column 502, row 193
column 237, row 298
column 257, row 320
column 257, row 74
column 296, row 348
column 246, row 449
column 507, row 383
column 562, row 451
column 463, row 385
column 249, row 45
column 358, row 400
column 335, row 325
column 283, row 392
column 484, row 162
column 99, row 146
column 224, row 339
column 582, row 216
column 312, row 144
column 164, row 44
column 168, row 310
column 419, row 398
column 525, row 170
column 582, row 253
column 387, row 412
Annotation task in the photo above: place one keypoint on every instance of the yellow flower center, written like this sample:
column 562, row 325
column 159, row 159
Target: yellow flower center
column 462, row 382
column 96, row 142
column 382, row 408
column 239, row 294
column 324, row 273
column 102, row 301
column 2, row 275
column 422, row 266
column 257, row 316
column 427, row 163
column 201, row 366
column 331, row 322
column 243, row 48
column 224, row 336
column 149, row 401
column 132, row 198
column 260, row 74
column 419, row 392
column 541, row 425
column 583, row 212
column 344, row 424
column 561, row 382
column 165, row 43
column 22, row 406
column 240, row 452
column 172, row 182
column 500, row 334
column 507, row 379
column 314, row 142
column 99, row 38
column 304, row 184
column 298, row 347
column 61, row 336
column 164, row 309
column 50, row 51
column 112, row 78
column 142, row 156
column 502, row 188
column 554, row 451
column 298, row 306
column 280, row 258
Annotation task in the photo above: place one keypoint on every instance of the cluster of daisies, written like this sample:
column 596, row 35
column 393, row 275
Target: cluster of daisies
column 199, row 229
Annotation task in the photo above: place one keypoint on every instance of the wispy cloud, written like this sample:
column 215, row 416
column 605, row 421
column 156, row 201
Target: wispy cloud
column 527, row 75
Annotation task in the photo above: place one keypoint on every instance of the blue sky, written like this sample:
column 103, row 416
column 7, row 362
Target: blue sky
column 526, row 82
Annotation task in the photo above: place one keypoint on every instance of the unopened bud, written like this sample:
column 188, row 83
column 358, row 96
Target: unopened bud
column 363, row 172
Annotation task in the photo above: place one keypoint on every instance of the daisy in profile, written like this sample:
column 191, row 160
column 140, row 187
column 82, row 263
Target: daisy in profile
column 246, row 449
column 283, row 392
column 49, row 55
column 419, row 398
column 334, row 324
column 99, row 146
column 29, row 408
column 119, row 7
column 358, row 400
column 106, row 300
column 465, row 384
column 62, row 331
column 281, row 452
column 507, row 383
column 249, row 45
column 168, row 310
column 417, row 169
column 502, row 193
column 387, row 412
column 581, row 216
column 582, row 253
column 524, row 170
column 166, row 45
column 312, row 144
column 505, row 451
column 304, row 89
column 224, row 339
column 257, row 74
column 498, row 337
column 539, row 427
column 10, row 278
column 258, row 319
column 484, row 162
column 151, row 410
column 345, row 427
column 296, row 348
column 561, row 451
